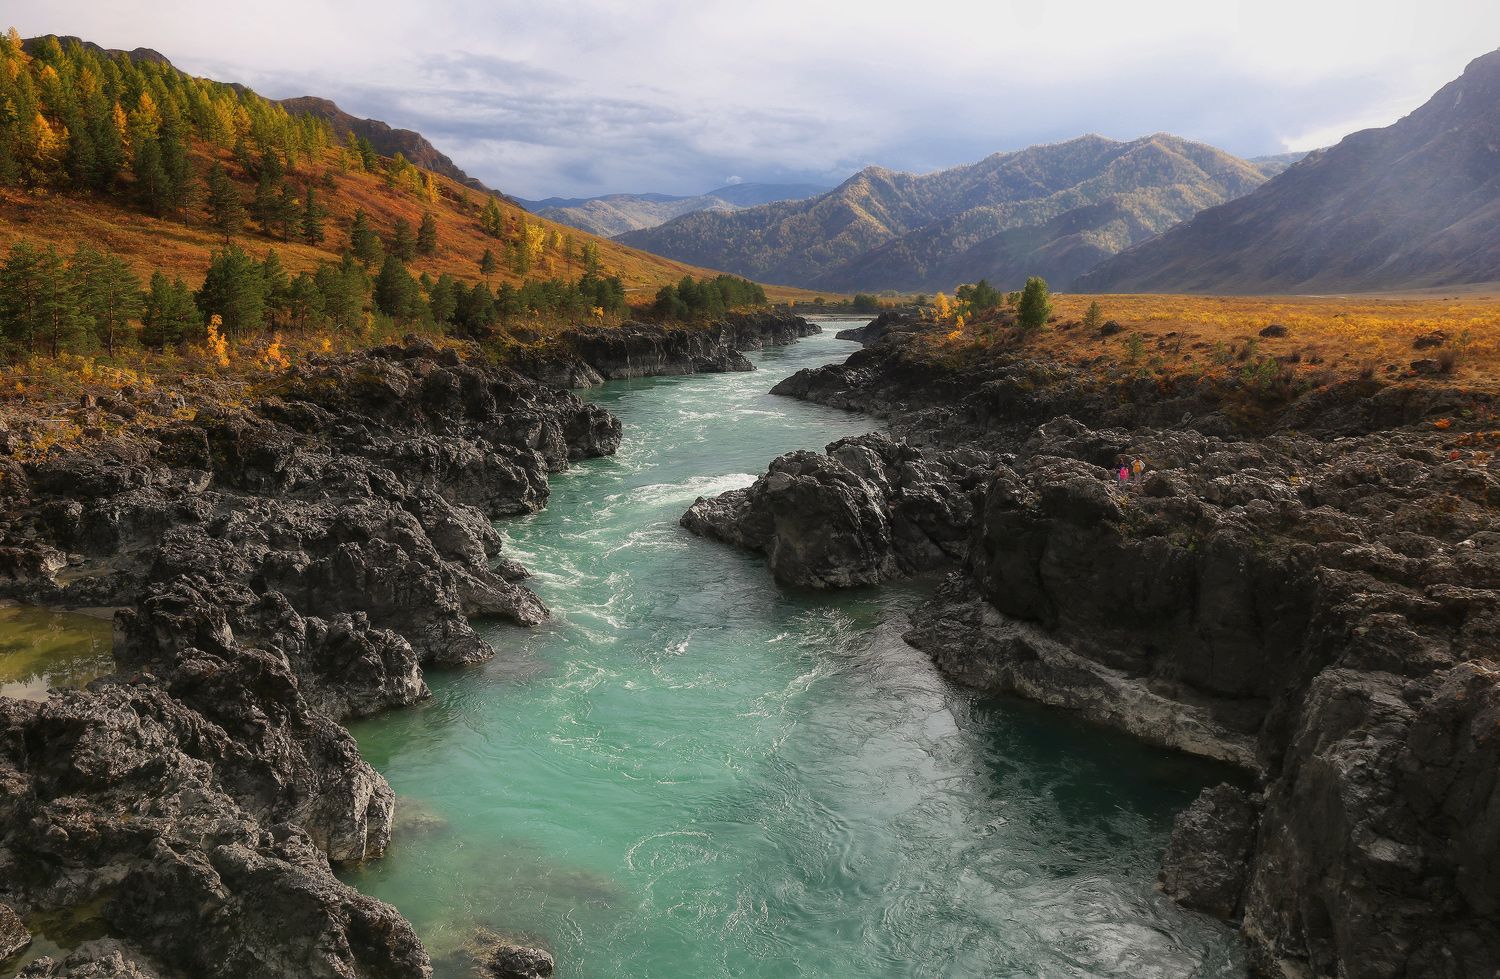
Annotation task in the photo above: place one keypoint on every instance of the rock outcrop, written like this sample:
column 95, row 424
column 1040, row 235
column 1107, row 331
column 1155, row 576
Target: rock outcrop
column 1307, row 587
column 868, row 510
column 278, row 567
column 588, row 356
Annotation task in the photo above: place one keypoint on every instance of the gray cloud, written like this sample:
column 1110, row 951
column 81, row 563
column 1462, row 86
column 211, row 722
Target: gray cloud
column 594, row 96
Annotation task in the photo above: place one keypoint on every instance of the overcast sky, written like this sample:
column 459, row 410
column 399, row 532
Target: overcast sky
column 580, row 97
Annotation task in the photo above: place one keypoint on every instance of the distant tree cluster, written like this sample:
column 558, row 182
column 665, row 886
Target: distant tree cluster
column 979, row 297
column 865, row 303
column 72, row 117
column 90, row 300
column 691, row 299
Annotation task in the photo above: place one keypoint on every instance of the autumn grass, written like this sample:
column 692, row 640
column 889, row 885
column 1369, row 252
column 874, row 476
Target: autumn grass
column 66, row 219
column 1325, row 338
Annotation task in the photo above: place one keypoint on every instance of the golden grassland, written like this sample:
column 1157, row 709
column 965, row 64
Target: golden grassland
column 66, row 219
column 1330, row 337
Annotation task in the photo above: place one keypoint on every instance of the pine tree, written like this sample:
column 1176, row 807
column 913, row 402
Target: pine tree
column 1093, row 317
column 38, row 304
column 109, row 295
column 304, row 301
column 396, row 292
column 287, row 212
column 263, row 206
column 403, row 241
column 343, row 287
column 492, row 220
column 153, row 184
column 235, row 289
column 364, row 243
column 277, row 286
column 169, row 315
column 312, row 220
column 226, row 210
column 488, row 265
column 427, row 241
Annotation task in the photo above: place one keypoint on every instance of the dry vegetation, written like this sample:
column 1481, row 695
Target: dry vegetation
column 66, row 218
column 1324, row 339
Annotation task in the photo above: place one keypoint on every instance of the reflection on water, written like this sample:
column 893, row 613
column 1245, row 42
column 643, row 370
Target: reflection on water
column 693, row 773
column 40, row 648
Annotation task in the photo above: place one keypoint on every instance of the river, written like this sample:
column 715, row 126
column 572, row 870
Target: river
column 691, row 773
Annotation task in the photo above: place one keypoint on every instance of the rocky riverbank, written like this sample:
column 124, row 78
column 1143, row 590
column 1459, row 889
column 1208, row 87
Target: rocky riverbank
column 278, row 566
column 589, row 356
column 1305, row 586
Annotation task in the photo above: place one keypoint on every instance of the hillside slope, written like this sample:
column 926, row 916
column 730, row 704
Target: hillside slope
column 616, row 214
column 1413, row 205
column 387, row 140
column 1054, row 210
column 39, row 204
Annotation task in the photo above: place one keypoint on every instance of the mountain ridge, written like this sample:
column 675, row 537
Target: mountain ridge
column 615, row 214
column 888, row 229
column 1412, row 205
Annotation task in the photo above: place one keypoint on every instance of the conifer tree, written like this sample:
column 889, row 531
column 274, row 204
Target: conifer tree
column 488, row 265
column 263, row 205
column 109, row 295
column 427, row 241
column 403, row 241
column 304, row 303
column 312, row 219
column 38, row 304
column 288, row 212
column 235, row 289
column 277, row 286
column 226, row 210
column 492, row 220
column 396, row 292
column 343, row 287
column 169, row 315
column 364, row 243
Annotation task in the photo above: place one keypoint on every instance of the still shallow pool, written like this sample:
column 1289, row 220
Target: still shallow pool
column 41, row 648
column 691, row 773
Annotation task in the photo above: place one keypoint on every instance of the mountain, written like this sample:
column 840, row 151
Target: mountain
column 1274, row 163
column 616, row 214
column 1413, row 205
column 1054, row 210
column 110, row 213
column 387, row 140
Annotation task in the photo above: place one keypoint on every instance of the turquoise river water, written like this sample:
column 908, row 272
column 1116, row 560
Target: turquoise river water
column 691, row 773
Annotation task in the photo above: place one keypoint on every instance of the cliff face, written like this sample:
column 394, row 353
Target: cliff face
column 1318, row 609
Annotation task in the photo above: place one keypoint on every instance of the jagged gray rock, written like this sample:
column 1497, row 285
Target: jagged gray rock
column 867, row 510
column 1207, row 863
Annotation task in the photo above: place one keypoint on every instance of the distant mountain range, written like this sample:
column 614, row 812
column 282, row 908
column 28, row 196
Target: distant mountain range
column 1056, row 210
column 616, row 214
column 1413, row 205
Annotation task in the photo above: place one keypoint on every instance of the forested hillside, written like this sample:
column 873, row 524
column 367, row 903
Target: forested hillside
column 229, row 204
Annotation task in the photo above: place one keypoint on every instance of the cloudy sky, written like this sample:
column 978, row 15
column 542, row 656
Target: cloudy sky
column 579, row 97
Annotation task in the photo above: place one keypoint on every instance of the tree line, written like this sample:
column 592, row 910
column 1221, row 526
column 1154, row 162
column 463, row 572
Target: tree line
column 705, row 299
column 51, row 303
